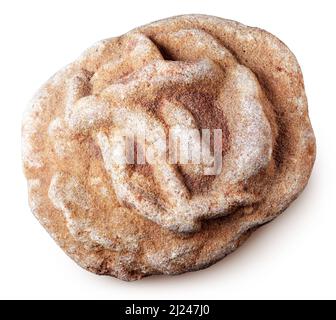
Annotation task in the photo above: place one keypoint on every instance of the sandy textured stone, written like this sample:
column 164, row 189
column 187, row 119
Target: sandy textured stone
column 193, row 71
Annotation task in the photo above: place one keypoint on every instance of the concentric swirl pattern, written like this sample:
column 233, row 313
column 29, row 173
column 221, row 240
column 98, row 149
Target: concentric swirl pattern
column 179, row 75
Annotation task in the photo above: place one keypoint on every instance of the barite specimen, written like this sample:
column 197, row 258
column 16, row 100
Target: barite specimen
column 178, row 75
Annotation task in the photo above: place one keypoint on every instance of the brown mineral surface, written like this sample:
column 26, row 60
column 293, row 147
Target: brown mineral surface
column 187, row 72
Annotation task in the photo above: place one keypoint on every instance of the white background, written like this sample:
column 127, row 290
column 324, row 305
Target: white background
column 293, row 257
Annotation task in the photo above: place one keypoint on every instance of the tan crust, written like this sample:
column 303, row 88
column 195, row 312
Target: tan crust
column 190, row 71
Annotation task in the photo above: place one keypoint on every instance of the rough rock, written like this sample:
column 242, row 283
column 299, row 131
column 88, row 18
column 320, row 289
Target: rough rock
column 194, row 72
